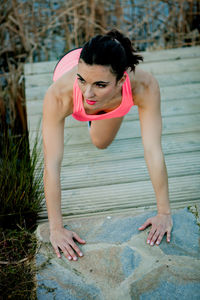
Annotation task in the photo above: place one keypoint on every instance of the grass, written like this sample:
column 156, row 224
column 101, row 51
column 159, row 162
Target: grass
column 20, row 183
column 17, row 270
column 21, row 177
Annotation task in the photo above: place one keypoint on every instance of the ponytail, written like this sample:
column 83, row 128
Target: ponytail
column 132, row 58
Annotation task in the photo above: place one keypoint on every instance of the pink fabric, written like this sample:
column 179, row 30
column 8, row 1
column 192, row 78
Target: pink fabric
column 67, row 63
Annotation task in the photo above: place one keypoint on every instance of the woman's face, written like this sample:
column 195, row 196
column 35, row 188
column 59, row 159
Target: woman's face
column 98, row 86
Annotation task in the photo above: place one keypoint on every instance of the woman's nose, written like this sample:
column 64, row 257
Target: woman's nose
column 89, row 92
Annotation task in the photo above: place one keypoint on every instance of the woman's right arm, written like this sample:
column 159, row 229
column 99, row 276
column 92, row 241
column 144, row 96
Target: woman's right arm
column 54, row 113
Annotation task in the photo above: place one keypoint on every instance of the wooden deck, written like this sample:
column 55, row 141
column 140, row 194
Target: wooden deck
column 116, row 179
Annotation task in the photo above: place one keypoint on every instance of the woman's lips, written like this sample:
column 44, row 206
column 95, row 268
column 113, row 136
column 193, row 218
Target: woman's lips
column 90, row 102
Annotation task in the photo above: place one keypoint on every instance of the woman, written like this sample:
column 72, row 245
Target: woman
column 100, row 83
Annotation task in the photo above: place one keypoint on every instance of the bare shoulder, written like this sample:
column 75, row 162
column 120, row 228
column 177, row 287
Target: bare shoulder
column 145, row 87
column 62, row 91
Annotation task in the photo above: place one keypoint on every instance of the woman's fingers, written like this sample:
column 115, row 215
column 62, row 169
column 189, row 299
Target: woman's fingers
column 150, row 236
column 63, row 240
column 161, row 224
column 77, row 237
column 168, row 236
column 154, row 237
column 76, row 248
column 57, row 251
column 68, row 251
column 71, row 253
column 147, row 223
column 67, row 254
column 160, row 237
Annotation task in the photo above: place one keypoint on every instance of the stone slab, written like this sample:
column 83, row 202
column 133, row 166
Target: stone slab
column 118, row 264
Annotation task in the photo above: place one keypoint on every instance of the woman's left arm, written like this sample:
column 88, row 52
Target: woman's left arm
column 151, row 130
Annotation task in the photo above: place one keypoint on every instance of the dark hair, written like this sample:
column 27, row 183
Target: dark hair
column 112, row 49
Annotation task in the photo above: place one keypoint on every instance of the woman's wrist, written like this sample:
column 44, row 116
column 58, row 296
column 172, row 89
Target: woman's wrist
column 55, row 225
column 164, row 212
column 163, row 206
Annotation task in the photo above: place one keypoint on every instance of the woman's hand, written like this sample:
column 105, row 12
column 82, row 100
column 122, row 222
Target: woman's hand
column 63, row 239
column 161, row 224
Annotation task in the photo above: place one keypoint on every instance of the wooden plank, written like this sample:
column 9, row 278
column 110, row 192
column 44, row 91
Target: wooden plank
column 186, row 91
column 176, row 79
column 181, row 106
column 172, row 108
column 124, row 171
column 129, row 149
column 169, row 54
column 35, row 107
column 38, row 92
column 167, row 93
column 156, row 67
column 35, row 80
column 181, row 188
column 125, row 211
column 35, row 93
column 121, row 171
column 131, row 129
column 170, row 67
column 45, row 80
column 126, row 196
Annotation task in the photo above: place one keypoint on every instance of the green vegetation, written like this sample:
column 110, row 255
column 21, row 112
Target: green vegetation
column 21, row 177
column 17, row 270
column 20, row 182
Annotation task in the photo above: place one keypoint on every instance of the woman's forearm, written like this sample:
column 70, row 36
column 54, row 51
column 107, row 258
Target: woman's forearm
column 159, row 178
column 52, row 192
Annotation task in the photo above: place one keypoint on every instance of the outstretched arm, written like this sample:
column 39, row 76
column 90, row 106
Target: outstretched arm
column 151, row 130
column 53, row 143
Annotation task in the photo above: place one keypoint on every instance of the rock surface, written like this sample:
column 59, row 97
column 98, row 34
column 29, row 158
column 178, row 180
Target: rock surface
column 118, row 264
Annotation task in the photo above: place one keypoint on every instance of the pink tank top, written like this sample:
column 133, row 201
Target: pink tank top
column 67, row 63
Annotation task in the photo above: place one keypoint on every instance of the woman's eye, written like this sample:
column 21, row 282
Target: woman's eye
column 81, row 80
column 101, row 85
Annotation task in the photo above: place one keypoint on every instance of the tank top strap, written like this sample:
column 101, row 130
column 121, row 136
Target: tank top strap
column 77, row 98
column 127, row 91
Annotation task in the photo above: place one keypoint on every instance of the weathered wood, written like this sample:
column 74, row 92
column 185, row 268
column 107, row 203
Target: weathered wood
column 181, row 78
column 89, row 174
column 131, row 129
column 168, row 108
column 177, row 143
column 168, row 92
column 124, row 171
column 171, row 54
column 176, row 79
column 126, row 196
column 118, row 211
column 162, row 55
column 38, row 92
column 170, row 67
column 130, row 149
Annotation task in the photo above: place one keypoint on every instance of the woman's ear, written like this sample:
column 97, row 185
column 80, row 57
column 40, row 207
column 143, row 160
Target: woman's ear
column 122, row 80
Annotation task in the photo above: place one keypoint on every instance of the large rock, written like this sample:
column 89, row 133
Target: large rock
column 118, row 264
